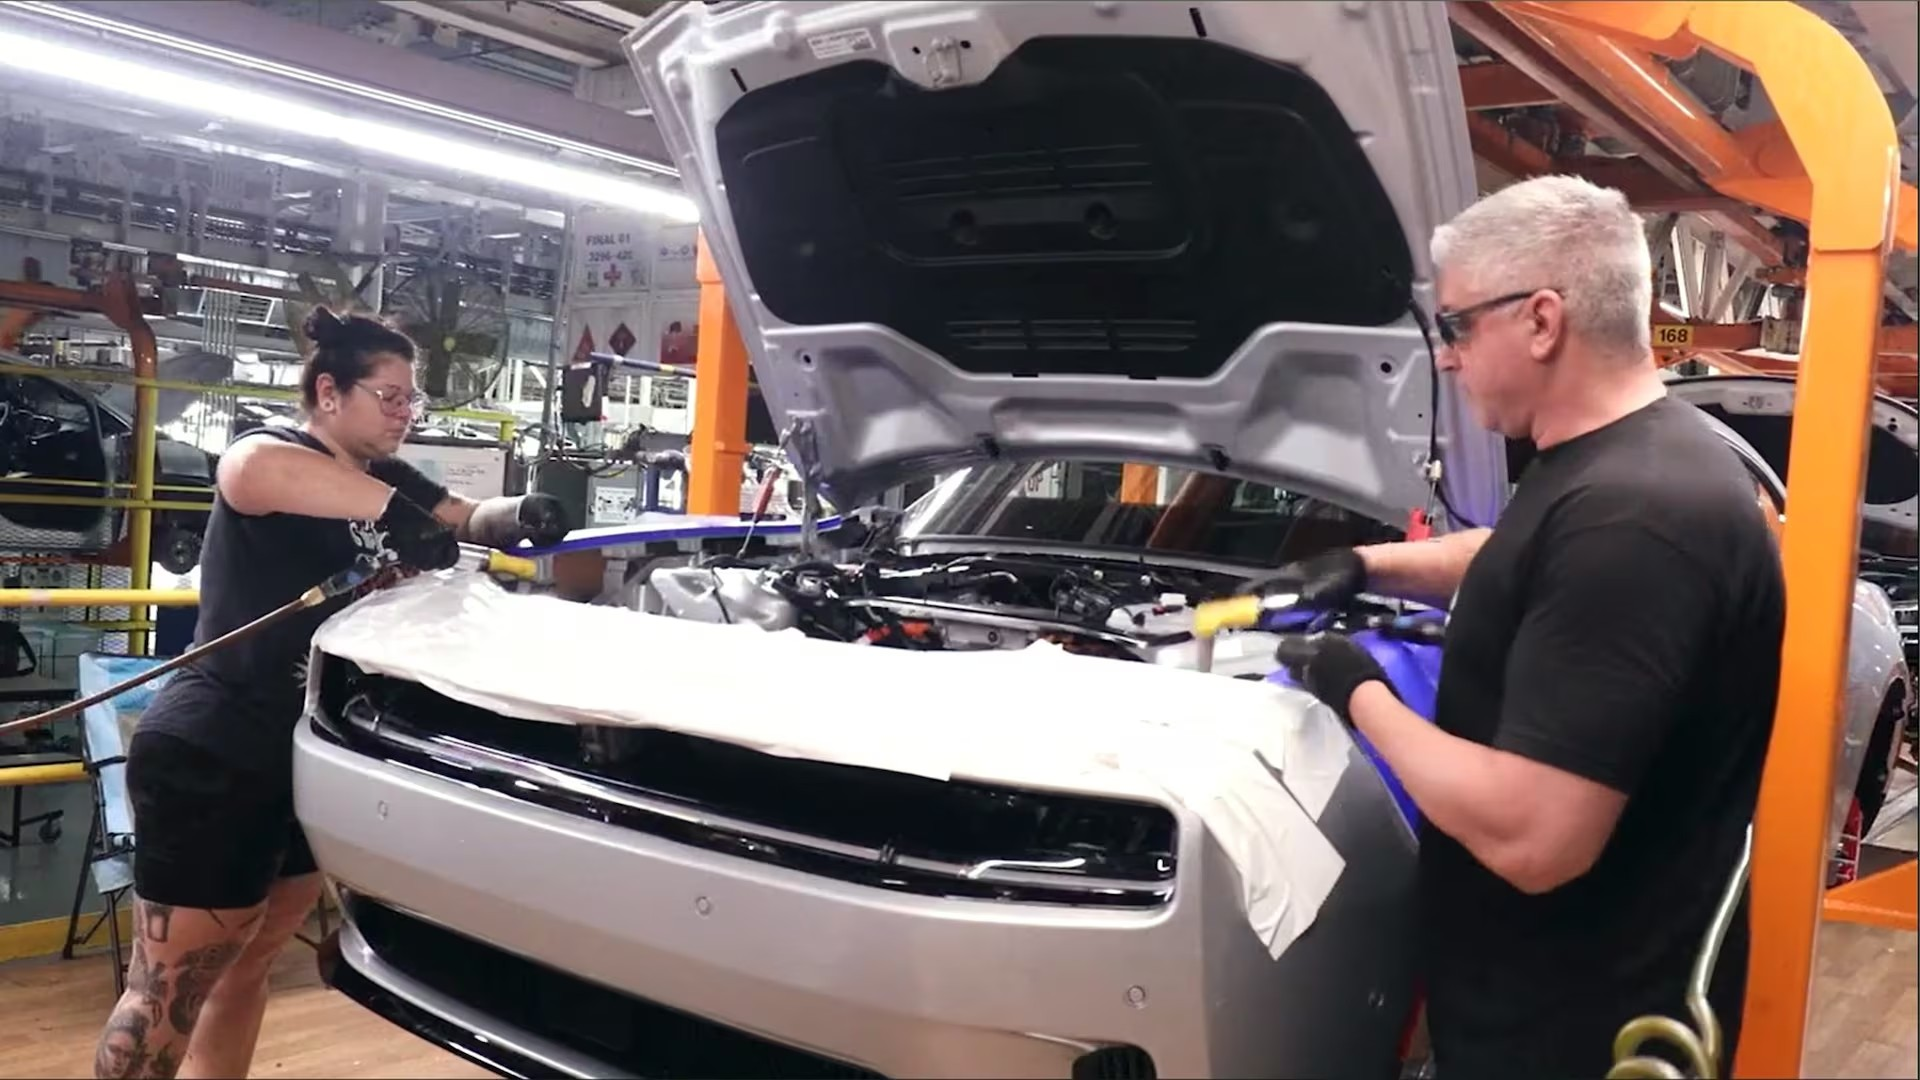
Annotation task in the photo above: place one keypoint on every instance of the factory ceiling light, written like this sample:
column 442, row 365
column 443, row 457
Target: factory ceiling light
column 237, row 104
column 187, row 46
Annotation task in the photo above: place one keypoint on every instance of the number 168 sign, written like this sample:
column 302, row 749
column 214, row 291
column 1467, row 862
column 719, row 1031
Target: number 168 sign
column 1672, row 336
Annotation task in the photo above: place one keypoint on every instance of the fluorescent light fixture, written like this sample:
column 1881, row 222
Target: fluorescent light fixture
column 237, row 104
column 175, row 43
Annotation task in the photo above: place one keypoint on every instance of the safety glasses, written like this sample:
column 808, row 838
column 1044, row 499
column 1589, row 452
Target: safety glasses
column 397, row 402
column 1454, row 326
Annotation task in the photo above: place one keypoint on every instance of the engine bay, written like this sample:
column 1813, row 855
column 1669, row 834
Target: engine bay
column 1109, row 607
column 945, row 602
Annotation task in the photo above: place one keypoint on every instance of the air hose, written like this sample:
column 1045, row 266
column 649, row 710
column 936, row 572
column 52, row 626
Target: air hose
column 1701, row 1046
column 340, row 584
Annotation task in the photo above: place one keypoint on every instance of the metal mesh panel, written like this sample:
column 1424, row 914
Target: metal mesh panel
column 114, row 577
column 16, row 537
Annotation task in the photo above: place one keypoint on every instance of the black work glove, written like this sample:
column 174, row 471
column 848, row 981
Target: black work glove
column 1328, row 581
column 504, row 521
column 1330, row 667
column 420, row 540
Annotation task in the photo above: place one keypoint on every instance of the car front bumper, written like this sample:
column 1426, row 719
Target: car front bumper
column 754, row 961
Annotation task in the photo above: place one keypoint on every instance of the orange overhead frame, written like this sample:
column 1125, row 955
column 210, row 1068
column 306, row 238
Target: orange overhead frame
column 1762, row 165
column 1648, row 190
column 1846, row 187
column 1500, row 85
column 1897, row 376
column 1734, row 347
column 1892, row 342
column 1883, row 899
column 119, row 300
column 717, row 449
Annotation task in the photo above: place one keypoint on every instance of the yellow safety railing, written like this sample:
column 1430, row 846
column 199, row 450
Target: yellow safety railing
column 19, row 598
column 507, row 422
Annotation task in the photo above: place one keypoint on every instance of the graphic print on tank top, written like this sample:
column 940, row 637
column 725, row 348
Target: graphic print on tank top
column 370, row 542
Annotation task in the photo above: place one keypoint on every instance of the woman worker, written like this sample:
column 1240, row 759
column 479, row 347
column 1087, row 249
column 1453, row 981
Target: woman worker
column 222, row 873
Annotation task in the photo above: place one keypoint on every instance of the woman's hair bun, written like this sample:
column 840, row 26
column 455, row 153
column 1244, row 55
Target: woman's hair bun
column 325, row 328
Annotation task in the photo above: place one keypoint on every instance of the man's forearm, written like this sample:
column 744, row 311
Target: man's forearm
column 1456, row 783
column 1426, row 571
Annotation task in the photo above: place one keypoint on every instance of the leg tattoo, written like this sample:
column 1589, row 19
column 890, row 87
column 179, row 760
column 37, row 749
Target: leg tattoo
column 197, row 971
column 156, row 921
column 147, row 1034
column 126, row 1046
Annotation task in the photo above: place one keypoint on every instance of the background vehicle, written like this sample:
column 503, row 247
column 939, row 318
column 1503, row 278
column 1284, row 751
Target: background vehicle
column 1887, row 598
column 54, row 431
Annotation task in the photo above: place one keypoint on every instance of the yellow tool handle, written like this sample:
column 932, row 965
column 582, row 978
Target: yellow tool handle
column 499, row 562
column 489, row 561
column 1229, row 613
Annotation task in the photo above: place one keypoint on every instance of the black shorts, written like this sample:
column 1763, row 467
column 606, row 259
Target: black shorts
column 208, row 834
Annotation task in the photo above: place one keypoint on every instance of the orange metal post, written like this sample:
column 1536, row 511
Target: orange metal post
column 718, row 446
column 1139, row 484
column 1839, row 124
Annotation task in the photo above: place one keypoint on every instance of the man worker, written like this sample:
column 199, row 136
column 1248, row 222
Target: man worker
column 1611, row 662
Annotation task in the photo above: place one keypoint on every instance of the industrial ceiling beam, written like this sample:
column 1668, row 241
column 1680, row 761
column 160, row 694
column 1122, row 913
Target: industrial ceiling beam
column 341, row 61
column 1499, row 34
column 1647, row 190
column 1578, row 89
column 527, row 26
column 1895, row 32
column 629, row 15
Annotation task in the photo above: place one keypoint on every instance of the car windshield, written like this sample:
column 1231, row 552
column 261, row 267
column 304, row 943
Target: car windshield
column 1137, row 508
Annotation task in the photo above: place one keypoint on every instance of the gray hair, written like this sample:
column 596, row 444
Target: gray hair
column 1562, row 233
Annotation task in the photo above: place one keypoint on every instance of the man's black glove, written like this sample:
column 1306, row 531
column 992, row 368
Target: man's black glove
column 1330, row 667
column 420, row 540
column 504, row 521
column 1328, row 581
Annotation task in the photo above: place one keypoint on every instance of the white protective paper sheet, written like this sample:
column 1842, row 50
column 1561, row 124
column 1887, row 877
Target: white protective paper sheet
column 1255, row 763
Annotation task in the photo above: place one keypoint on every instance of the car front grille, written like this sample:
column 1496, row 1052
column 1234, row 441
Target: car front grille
column 633, row 1036
column 866, row 826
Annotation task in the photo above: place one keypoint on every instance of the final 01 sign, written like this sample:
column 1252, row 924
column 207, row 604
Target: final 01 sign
column 614, row 251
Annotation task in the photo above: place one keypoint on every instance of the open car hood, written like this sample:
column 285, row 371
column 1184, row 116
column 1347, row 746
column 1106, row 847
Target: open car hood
column 1140, row 231
column 1760, row 409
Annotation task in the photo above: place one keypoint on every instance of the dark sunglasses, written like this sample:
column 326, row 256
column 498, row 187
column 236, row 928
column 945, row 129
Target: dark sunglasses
column 1454, row 326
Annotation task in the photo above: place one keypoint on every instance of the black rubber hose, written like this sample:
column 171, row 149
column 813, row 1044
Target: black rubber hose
column 338, row 585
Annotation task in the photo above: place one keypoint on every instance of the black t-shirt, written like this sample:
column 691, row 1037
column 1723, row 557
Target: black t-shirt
column 1622, row 623
column 243, row 700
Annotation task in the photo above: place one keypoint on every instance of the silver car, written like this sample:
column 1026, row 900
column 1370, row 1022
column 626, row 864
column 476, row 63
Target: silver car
column 957, row 794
